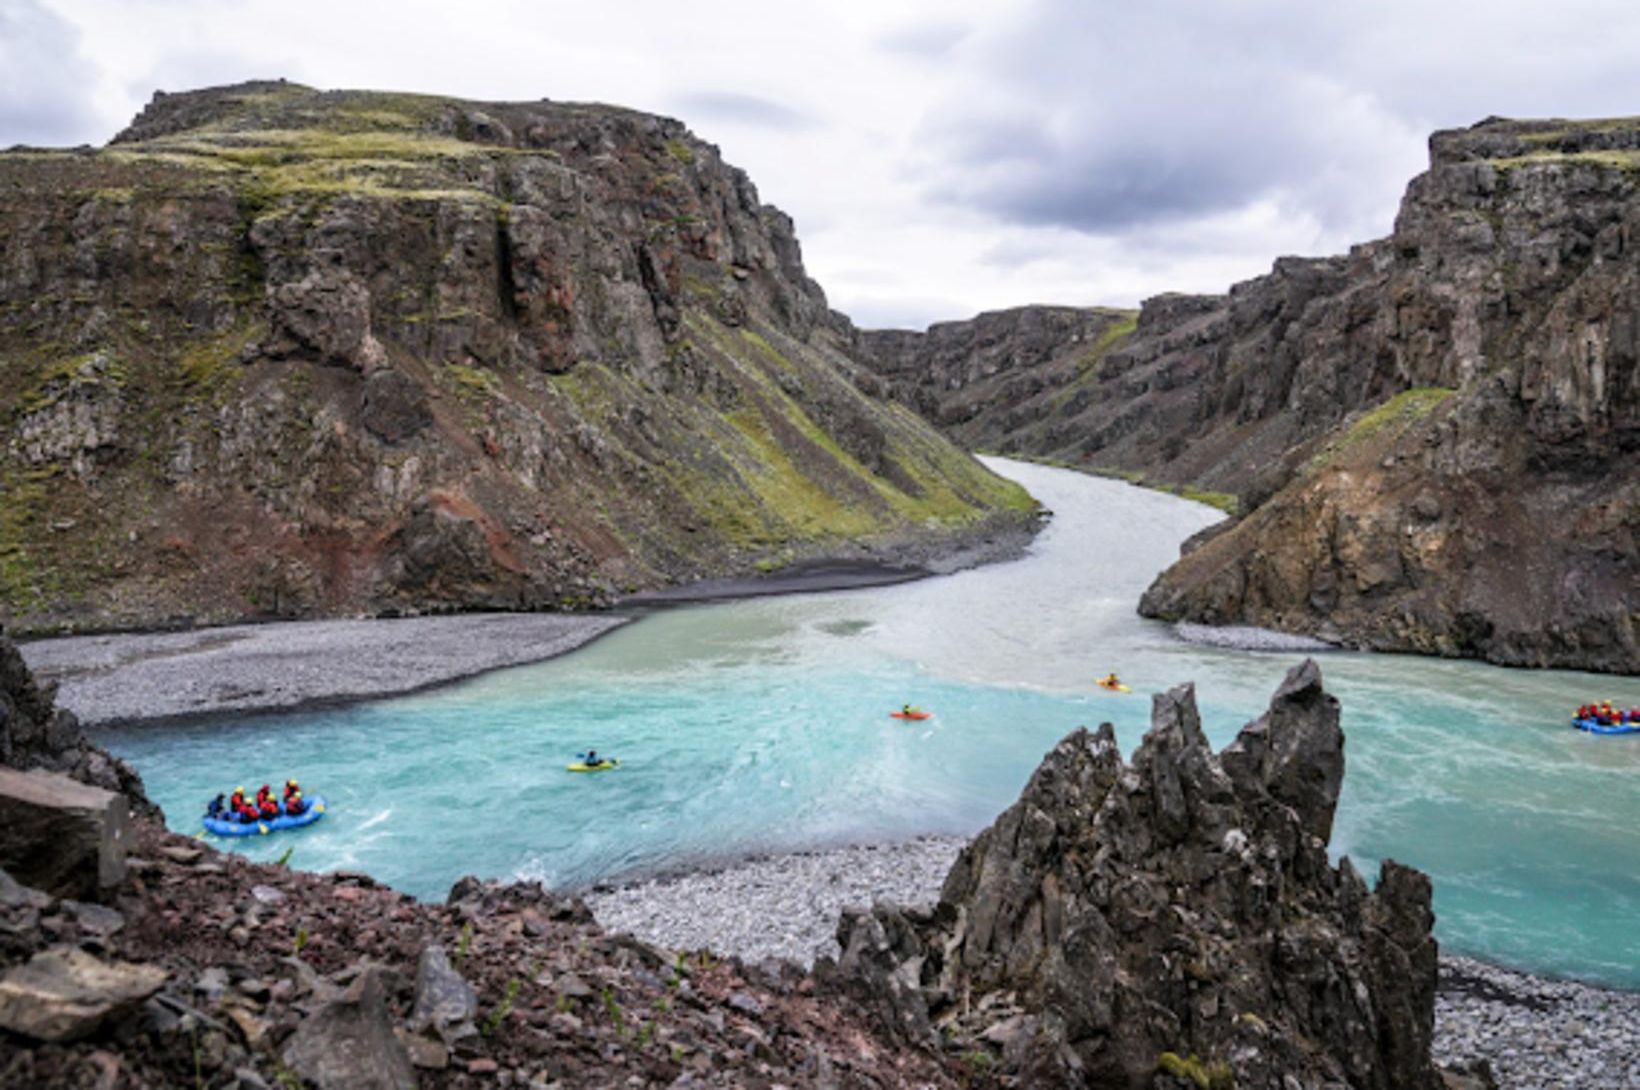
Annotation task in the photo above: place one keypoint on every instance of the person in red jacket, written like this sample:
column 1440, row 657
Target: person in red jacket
column 291, row 788
column 265, row 804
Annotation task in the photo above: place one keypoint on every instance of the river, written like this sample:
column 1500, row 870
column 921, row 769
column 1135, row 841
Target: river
column 761, row 726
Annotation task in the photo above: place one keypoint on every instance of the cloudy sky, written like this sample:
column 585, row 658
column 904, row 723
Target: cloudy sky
column 940, row 157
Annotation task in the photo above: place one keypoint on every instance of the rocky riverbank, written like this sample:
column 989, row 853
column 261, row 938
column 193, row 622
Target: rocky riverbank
column 130, row 677
column 1533, row 1031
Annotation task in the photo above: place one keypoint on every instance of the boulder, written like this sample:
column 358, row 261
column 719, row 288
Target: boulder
column 64, row 994
column 20, row 909
column 61, row 836
column 349, row 1043
column 1175, row 915
column 35, row 733
column 445, row 1002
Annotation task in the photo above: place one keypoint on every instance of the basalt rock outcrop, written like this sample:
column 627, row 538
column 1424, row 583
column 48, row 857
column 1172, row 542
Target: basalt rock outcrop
column 36, row 734
column 1170, row 922
column 1434, row 440
column 280, row 352
column 984, row 381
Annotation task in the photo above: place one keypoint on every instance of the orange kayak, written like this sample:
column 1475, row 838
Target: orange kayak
column 911, row 715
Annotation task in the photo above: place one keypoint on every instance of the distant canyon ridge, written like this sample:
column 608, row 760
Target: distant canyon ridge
column 1431, row 444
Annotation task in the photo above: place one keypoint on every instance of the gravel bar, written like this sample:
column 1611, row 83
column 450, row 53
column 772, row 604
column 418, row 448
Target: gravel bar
column 128, row 678
column 1536, row 1032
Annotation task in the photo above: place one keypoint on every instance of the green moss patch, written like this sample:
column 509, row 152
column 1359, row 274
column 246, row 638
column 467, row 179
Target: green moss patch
column 472, row 383
column 23, row 503
column 1385, row 421
column 1208, row 1076
column 55, row 380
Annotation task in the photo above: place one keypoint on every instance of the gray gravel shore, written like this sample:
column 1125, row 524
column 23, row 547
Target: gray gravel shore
column 1534, row 1031
column 125, row 678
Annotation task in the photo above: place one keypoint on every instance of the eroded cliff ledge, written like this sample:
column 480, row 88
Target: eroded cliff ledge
column 281, row 352
column 1435, row 439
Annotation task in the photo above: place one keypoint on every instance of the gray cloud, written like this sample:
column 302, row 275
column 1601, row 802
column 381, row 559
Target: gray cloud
column 1107, row 118
column 46, row 86
column 870, row 312
column 930, row 40
column 188, row 69
column 734, row 108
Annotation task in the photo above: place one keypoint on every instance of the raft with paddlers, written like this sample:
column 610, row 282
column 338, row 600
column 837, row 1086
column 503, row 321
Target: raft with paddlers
column 238, row 816
column 315, row 810
column 1594, row 726
column 1606, row 718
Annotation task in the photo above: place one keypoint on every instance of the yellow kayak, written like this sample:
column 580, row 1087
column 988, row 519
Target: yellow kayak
column 1117, row 688
column 602, row 766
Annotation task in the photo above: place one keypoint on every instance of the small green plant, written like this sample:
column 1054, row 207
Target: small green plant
column 301, row 941
column 646, row 1033
column 284, row 860
column 564, row 1004
column 287, row 1078
column 663, row 1004
column 680, row 151
column 465, row 945
column 613, row 1009
column 1207, row 1076
column 199, row 1061
column 502, row 1009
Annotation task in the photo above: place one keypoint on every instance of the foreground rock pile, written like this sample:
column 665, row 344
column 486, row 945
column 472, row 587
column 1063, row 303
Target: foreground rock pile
column 255, row 976
column 1177, row 916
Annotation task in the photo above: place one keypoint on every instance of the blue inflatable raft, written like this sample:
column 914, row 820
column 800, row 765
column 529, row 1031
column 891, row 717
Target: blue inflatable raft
column 1594, row 727
column 315, row 811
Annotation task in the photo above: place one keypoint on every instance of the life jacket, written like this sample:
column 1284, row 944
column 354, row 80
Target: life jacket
column 291, row 789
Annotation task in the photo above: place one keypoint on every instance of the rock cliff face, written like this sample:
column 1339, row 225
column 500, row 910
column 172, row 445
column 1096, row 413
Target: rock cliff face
column 988, row 381
column 280, row 352
column 1124, row 925
column 36, row 734
column 1437, row 436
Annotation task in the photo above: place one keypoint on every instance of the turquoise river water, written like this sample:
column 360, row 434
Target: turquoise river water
column 760, row 726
